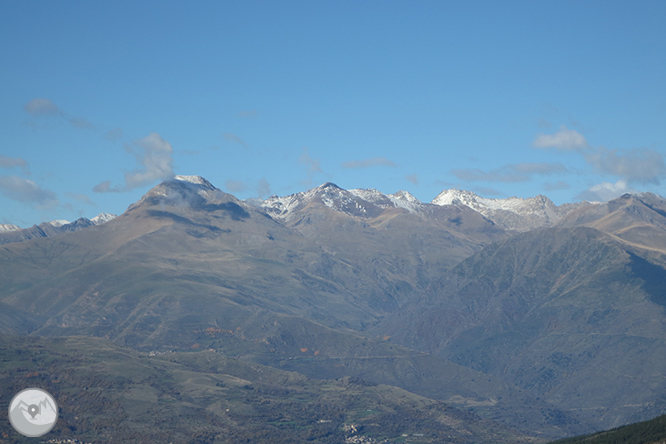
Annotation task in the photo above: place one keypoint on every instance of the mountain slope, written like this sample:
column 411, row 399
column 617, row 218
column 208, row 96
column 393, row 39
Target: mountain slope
column 189, row 266
column 339, row 283
column 646, row 432
column 108, row 394
column 396, row 228
column 637, row 220
column 570, row 315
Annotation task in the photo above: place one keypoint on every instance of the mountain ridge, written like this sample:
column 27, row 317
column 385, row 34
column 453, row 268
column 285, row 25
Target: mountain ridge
column 512, row 213
column 434, row 299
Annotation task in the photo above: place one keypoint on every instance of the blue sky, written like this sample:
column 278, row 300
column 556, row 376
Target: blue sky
column 100, row 101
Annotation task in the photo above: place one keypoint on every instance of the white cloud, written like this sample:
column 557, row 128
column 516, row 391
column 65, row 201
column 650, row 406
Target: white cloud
column 564, row 139
column 367, row 163
column 605, row 191
column 155, row 158
column 25, row 190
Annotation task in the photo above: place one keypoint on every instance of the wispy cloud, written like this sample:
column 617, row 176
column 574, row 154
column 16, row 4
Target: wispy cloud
column 487, row 191
column 41, row 107
column 106, row 187
column 605, row 191
column 231, row 137
column 367, row 163
column 235, row 186
column 263, row 188
column 313, row 166
column 114, row 134
column 14, row 162
column 154, row 155
column 564, row 139
column 248, row 114
column 413, row 178
column 81, row 198
column 25, row 190
column 521, row 172
column 639, row 165
column 559, row 185
column 81, row 123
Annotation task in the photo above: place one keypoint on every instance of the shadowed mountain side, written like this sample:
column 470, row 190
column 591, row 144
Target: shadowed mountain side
column 646, row 432
column 108, row 394
column 200, row 320
column 567, row 314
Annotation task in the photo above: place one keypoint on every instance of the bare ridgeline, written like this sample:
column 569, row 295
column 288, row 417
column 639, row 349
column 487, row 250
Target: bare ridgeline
column 340, row 316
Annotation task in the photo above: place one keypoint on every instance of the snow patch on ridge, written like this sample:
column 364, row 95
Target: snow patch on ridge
column 513, row 213
column 8, row 227
column 198, row 180
column 357, row 202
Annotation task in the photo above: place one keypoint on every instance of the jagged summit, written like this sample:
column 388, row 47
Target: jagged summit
column 406, row 196
column 513, row 213
column 473, row 200
column 59, row 223
column 102, row 218
column 356, row 202
column 49, row 229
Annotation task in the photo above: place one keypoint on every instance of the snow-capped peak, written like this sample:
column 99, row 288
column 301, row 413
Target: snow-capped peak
column 357, row 202
column 102, row 218
column 197, row 180
column 510, row 213
column 59, row 223
column 406, row 196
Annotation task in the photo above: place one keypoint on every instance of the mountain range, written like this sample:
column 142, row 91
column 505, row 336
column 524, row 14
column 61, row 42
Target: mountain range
column 13, row 233
column 545, row 321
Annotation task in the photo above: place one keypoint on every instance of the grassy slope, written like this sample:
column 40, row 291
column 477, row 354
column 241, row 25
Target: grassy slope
column 647, row 432
column 111, row 394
